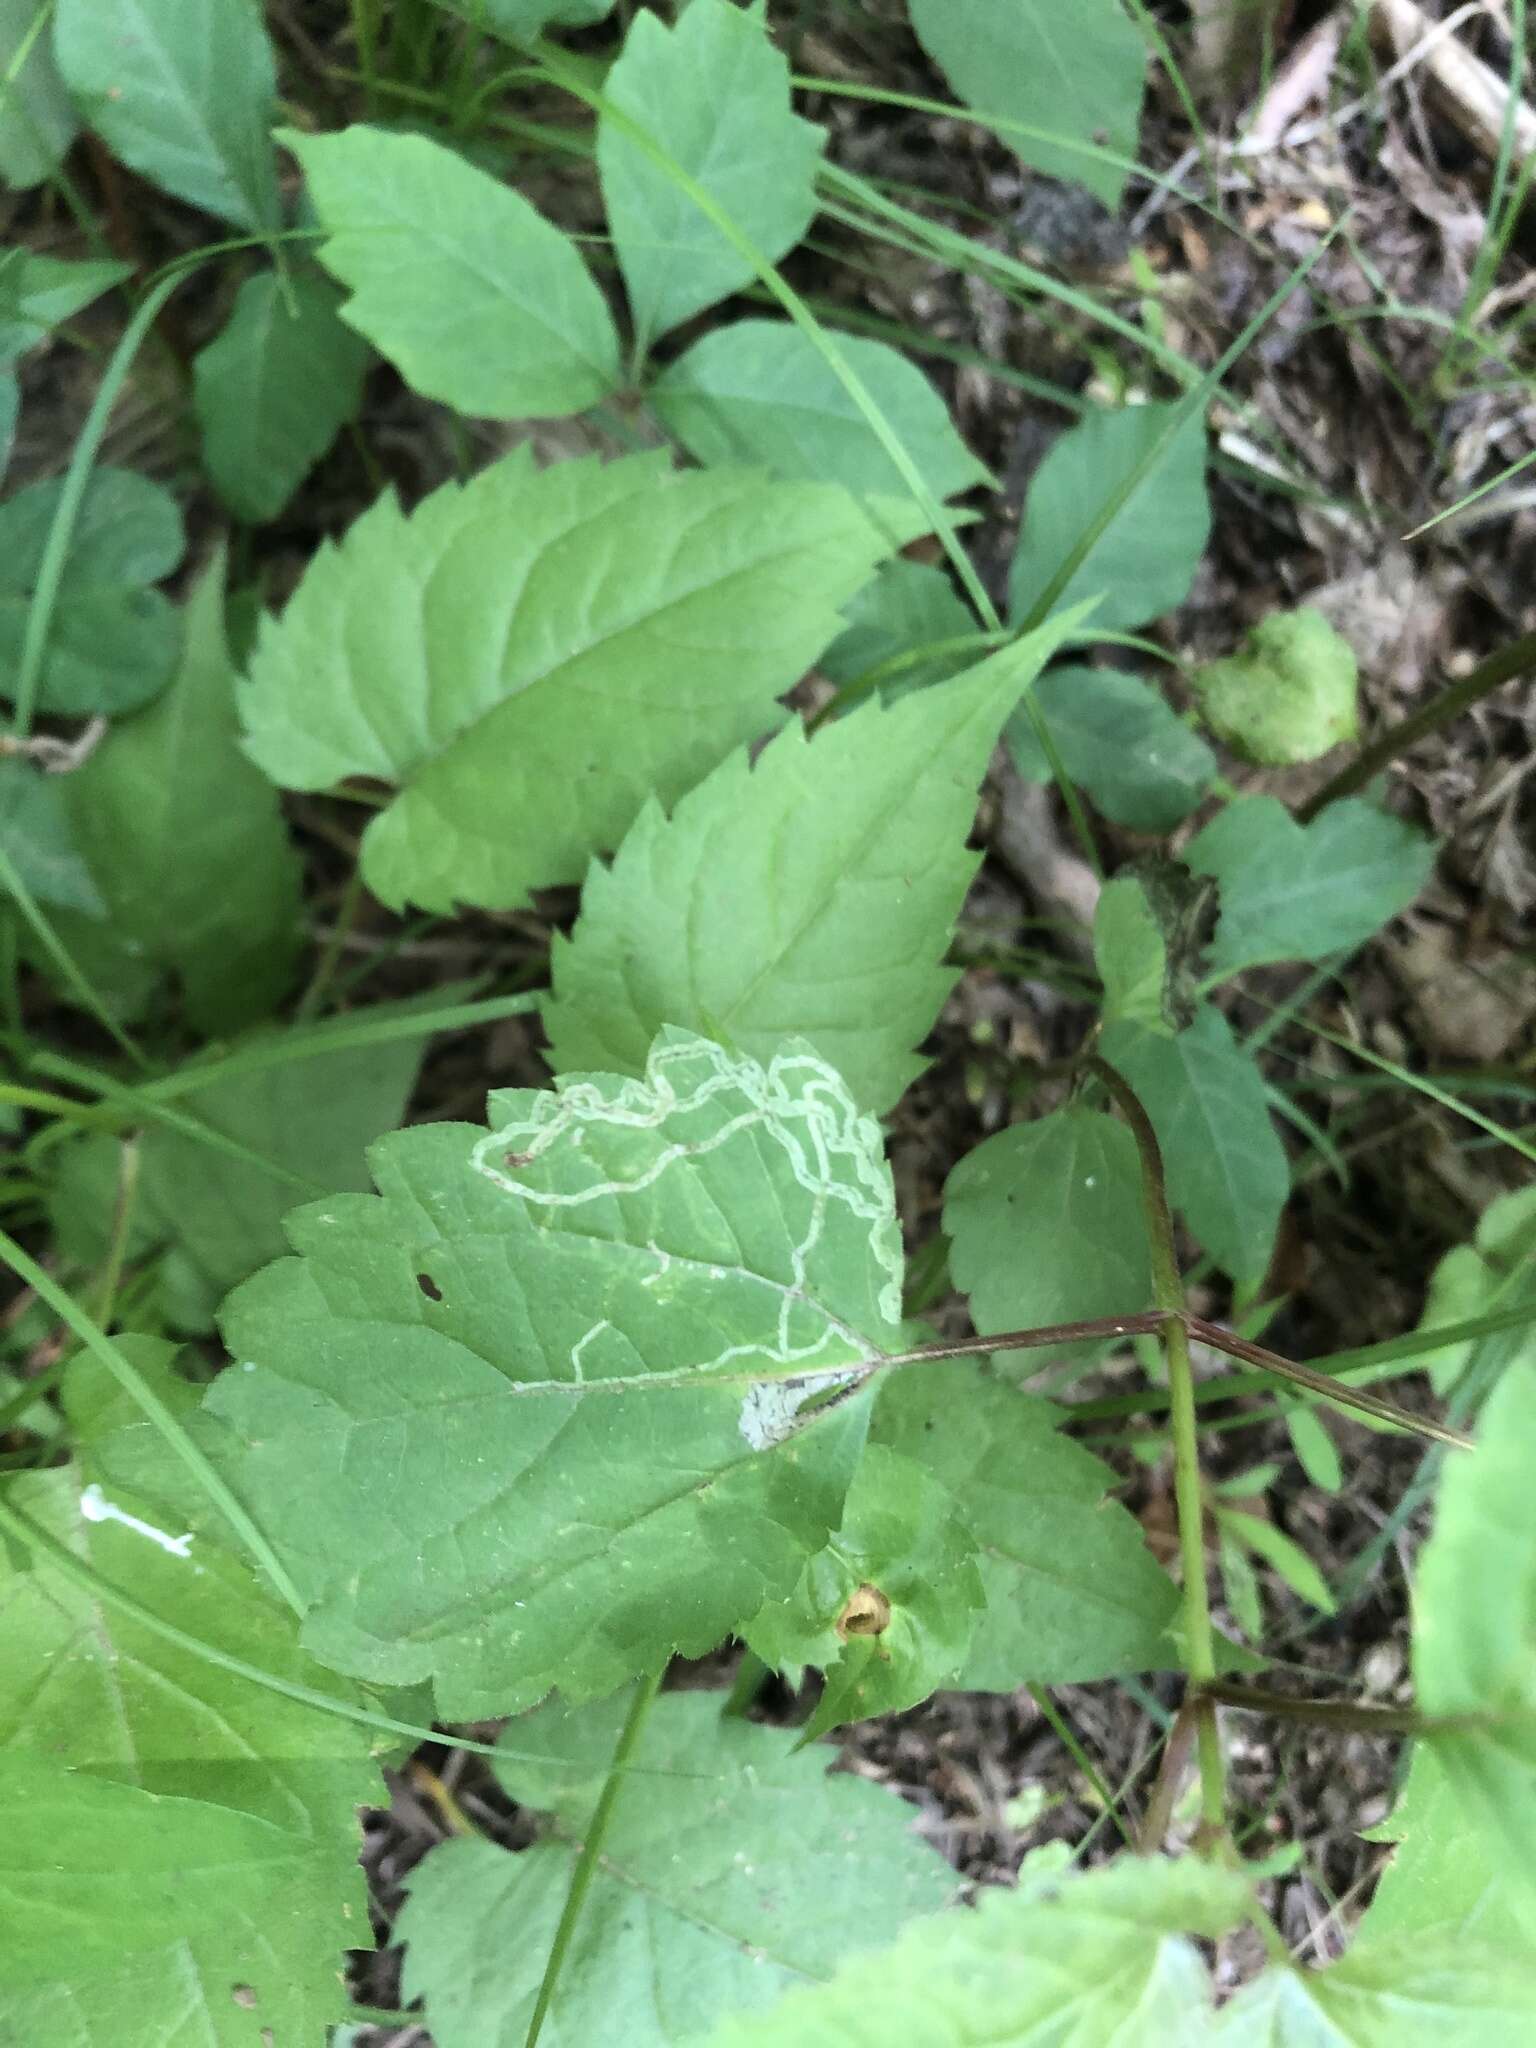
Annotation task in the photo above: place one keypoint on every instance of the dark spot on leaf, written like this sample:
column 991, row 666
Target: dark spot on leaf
column 519, row 1159
column 242, row 1994
column 429, row 1287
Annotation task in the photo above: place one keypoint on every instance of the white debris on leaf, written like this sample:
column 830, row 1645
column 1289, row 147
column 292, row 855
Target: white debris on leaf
column 95, row 1507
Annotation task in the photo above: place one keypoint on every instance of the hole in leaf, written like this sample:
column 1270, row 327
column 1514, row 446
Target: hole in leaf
column 866, row 1612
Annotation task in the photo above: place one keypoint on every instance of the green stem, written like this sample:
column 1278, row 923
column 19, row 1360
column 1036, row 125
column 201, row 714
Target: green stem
column 1500, row 667
column 122, row 1227
column 592, row 1849
column 1355, row 1717
column 346, row 917
column 1066, row 1735
column 1189, row 1498
column 752, row 1674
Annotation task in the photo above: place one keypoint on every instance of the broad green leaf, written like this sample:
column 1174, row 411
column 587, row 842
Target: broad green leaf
column 812, row 892
column 1045, row 1225
column 906, row 607
column 1131, row 954
column 186, row 840
column 10, row 405
column 1227, row 1170
column 761, row 391
column 1120, row 740
column 533, row 655
column 520, row 21
column 273, row 389
column 887, row 1609
column 221, row 1768
column 712, row 92
column 1072, row 1592
column 1102, row 1960
column 38, row 293
column 114, row 641
column 222, row 1215
column 1297, row 892
column 1288, row 696
column 1497, row 1270
column 1412, row 1995
column 1144, row 561
column 1474, row 1639
column 580, row 1342
column 36, row 837
column 1071, row 69
column 734, row 1867
column 1449, row 1879
column 184, row 91
column 37, row 122
column 473, row 296
column 1284, row 1556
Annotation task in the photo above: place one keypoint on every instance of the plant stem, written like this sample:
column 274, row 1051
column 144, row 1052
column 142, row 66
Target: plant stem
column 1499, row 668
column 592, row 1849
column 346, row 917
column 1168, row 1292
column 1354, row 1716
column 752, row 1674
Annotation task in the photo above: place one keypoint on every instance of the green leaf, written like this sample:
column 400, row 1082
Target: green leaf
column 114, row 642
column 761, row 391
column 1283, row 1556
column 814, row 891
column 1144, row 561
column 1131, row 954
column 186, row 838
column 1297, row 892
column 1120, row 740
column 36, row 837
column 1449, row 1879
column 550, row 1333
column 310, row 1119
column 273, row 389
column 37, row 122
column 534, row 654
column 733, row 1868
column 713, row 93
column 1474, row 1642
column 521, row 21
column 1046, row 1226
column 184, row 91
column 1072, row 1592
column 167, row 1752
column 10, row 406
column 1073, row 71
column 887, row 1609
column 1288, row 696
column 1314, row 1447
column 1096, row 1959
column 39, row 293
column 1497, row 1270
column 906, row 607
column 1240, row 1584
column 473, row 296
column 1226, row 1168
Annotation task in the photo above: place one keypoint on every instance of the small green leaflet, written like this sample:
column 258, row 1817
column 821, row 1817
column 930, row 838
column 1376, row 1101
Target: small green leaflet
column 1474, row 1643
column 221, row 1214
column 473, row 296
column 1497, row 1270
column 733, row 1869
column 114, row 641
column 761, row 391
column 37, row 122
column 185, row 839
column 1071, row 1591
column 184, row 91
column 1096, row 1959
column 36, row 837
column 1298, row 892
column 273, row 389
column 905, row 608
column 1131, row 954
column 534, row 654
column 520, row 21
column 1226, row 1168
column 581, row 1342
column 713, row 94
column 164, row 1751
column 888, row 1608
column 1143, row 562
column 814, row 891
column 38, row 293
column 1119, row 739
column 1070, row 69
column 1045, row 1225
